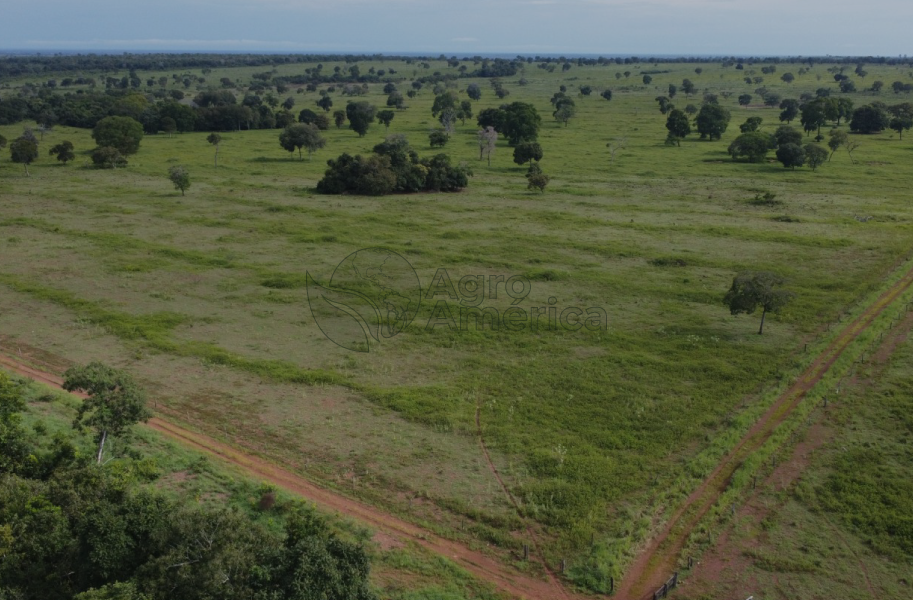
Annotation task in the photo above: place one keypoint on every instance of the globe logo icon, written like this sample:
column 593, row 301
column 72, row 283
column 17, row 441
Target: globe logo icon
column 373, row 294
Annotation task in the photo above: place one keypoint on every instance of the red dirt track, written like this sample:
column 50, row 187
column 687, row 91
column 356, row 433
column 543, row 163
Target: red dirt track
column 655, row 563
column 659, row 559
column 480, row 565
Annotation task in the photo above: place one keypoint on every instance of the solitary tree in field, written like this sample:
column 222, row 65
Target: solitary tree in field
column 474, row 91
column 753, row 290
column 2, row 142
column 63, row 151
column 302, row 135
column 688, row 87
column 339, row 117
column 215, row 139
column 180, row 177
column 114, row 404
column 745, row 99
column 24, row 151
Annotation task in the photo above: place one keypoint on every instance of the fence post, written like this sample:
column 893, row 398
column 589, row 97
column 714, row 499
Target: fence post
column 563, row 565
column 525, row 551
column 611, row 585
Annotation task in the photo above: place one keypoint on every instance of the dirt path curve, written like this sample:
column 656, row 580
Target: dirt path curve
column 559, row 588
column 658, row 560
column 480, row 565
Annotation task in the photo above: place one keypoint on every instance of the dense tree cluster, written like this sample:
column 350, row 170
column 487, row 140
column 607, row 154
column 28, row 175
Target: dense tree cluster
column 71, row 529
column 394, row 167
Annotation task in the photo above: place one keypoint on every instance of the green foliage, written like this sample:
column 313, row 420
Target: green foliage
column 360, row 115
column 869, row 119
column 108, row 157
column 815, row 156
column 519, row 122
column 678, row 125
column 527, row 152
column 438, row 138
column 394, row 167
column 791, row 155
column 121, row 133
column 712, row 121
column 180, row 177
column 751, row 124
column 301, row 135
column 753, row 289
column 385, row 117
column 63, row 151
column 787, row 135
column 753, row 146
column 114, row 401
column 24, row 151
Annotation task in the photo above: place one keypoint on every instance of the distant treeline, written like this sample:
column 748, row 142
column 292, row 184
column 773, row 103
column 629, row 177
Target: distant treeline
column 30, row 65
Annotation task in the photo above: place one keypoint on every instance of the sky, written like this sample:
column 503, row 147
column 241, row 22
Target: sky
column 465, row 27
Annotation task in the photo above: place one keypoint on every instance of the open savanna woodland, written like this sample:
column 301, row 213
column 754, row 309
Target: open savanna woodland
column 377, row 327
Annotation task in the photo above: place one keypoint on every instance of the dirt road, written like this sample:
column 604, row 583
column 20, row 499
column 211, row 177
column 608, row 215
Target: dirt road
column 659, row 559
column 480, row 565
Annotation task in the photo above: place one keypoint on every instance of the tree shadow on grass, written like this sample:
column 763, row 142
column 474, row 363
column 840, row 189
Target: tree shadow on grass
column 273, row 159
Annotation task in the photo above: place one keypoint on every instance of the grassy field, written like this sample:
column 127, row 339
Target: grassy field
column 843, row 529
column 399, row 572
column 596, row 433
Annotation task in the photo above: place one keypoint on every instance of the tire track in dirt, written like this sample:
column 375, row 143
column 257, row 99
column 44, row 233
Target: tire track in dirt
column 658, row 560
column 477, row 563
column 532, row 536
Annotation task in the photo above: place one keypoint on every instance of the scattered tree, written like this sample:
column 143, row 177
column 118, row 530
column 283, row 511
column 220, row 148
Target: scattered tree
column 712, row 121
column 114, row 401
column 360, row 115
column 751, row 290
column 678, row 125
column 385, row 117
column 869, row 119
column 901, row 124
column 789, row 110
column 215, row 139
column 474, row 91
column 745, row 99
column 106, row 157
column 488, row 139
column 180, row 177
column 815, row 156
column 63, row 151
column 122, row 133
column 787, row 135
column 751, row 124
column 438, row 138
column 339, row 117
column 24, row 151
column 791, row 155
column 527, row 152
column 753, row 145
